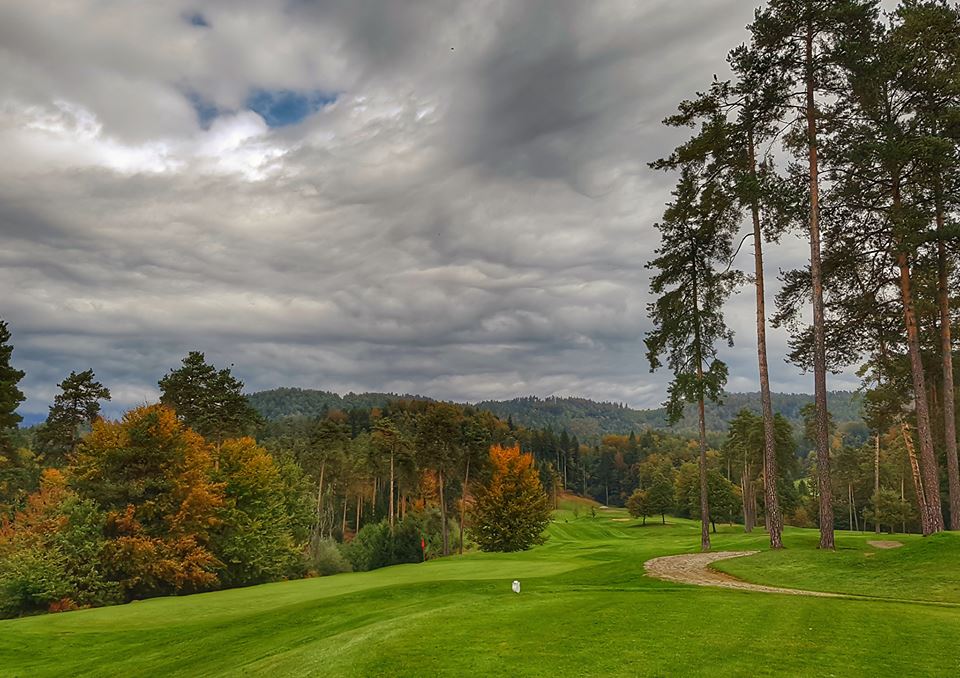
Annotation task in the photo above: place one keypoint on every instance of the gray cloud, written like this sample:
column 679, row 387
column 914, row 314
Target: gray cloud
column 469, row 218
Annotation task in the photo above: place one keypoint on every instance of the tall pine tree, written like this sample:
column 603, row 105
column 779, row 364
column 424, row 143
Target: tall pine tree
column 696, row 239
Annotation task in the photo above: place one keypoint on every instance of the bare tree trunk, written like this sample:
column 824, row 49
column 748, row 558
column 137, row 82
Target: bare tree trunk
column 904, row 526
column 819, row 327
column 876, row 479
column 343, row 524
column 391, row 510
column 949, row 393
column 443, row 516
column 774, row 520
column 359, row 504
column 318, row 528
column 747, row 498
column 463, row 502
column 933, row 521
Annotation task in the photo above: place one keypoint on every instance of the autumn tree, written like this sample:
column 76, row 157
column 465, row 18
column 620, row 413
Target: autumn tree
column 511, row 510
column 207, row 400
column 77, row 405
column 691, row 283
column 51, row 553
column 152, row 477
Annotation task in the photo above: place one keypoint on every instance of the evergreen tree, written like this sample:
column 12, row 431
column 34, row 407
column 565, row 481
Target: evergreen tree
column 799, row 37
column 10, row 395
column 696, row 234
column 77, row 405
column 209, row 401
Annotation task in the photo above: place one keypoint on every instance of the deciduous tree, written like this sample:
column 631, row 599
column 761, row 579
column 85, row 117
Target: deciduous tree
column 511, row 510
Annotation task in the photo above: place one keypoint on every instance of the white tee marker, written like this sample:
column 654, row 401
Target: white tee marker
column 516, row 586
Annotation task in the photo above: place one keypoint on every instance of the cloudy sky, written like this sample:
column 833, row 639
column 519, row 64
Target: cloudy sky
column 447, row 198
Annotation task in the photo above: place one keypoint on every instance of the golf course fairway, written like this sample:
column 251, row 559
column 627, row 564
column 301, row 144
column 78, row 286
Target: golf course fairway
column 586, row 609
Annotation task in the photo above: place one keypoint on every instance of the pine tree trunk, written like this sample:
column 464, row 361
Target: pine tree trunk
column 949, row 393
column 443, row 516
column 819, row 327
column 317, row 531
column 463, row 502
column 356, row 523
column 343, row 524
column 876, row 479
column 771, row 500
column 704, row 489
column 915, row 470
column 391, row 510
column 933, row 521
column 745, row 495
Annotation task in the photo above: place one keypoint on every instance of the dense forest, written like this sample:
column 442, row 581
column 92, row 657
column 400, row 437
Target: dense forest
column 588, row 420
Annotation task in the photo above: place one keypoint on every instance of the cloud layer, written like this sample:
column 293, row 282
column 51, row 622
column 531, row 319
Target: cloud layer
column 448, row 198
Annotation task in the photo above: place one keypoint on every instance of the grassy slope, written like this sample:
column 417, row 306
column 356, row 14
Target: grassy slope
column 922, row 569
column 586, row 609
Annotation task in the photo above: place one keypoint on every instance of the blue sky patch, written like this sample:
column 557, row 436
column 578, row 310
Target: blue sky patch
column 196, row 19
column 206, row 111
column 285, row 107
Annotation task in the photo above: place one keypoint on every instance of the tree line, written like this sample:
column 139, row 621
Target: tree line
column 840, row 123
column 197, row 492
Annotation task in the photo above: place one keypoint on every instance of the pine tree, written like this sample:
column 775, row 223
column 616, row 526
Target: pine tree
column 696, row 234
column 209, row 401
column 77, row 405
column 799, row 37
column 10, row 395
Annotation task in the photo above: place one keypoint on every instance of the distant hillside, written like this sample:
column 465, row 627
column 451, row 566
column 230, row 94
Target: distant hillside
column 292, row 402
column 587, row 419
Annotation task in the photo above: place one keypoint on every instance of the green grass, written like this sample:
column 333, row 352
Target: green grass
column 922, row 569
column 586, row 609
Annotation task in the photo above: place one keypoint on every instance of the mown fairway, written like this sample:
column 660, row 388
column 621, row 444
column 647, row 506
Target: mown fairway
column 586, row 609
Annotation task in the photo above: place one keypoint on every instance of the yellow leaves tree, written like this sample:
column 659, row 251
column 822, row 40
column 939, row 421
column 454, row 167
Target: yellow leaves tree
column 511, row 510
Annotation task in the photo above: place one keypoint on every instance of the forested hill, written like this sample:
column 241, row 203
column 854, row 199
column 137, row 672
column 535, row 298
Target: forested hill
column 279, row 403
column 587, row 419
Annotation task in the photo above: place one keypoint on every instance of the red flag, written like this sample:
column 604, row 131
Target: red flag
column 423, row 544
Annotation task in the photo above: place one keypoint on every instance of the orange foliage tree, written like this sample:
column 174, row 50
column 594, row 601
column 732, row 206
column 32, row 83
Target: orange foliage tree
column 152, row 478
column 511, row 510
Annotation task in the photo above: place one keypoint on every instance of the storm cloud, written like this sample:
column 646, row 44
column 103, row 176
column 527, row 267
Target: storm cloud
column 446, row 198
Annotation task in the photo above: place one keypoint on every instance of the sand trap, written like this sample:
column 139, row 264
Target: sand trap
column 885, row 544
column 693, row 568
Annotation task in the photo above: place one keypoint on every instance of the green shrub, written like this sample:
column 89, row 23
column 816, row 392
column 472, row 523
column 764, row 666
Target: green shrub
column 31, row 579
column 377, row 546
column 325, row 558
